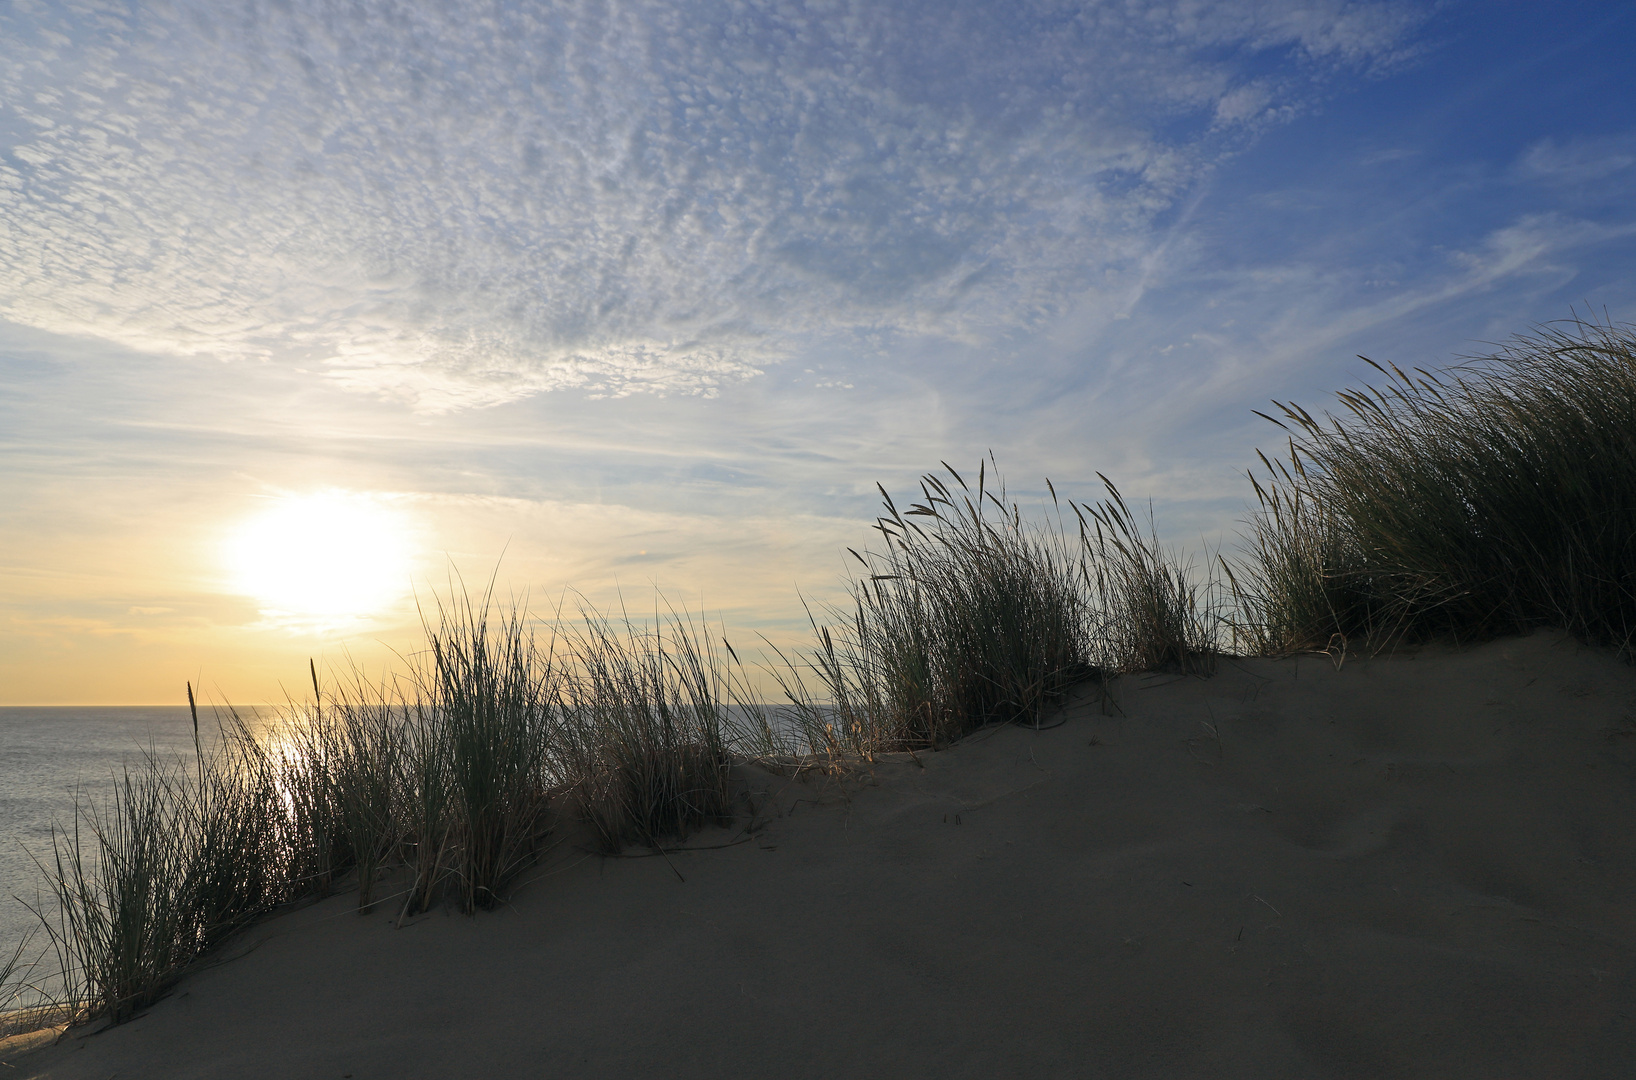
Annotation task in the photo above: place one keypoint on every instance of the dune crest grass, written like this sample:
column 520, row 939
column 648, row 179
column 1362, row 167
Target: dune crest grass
column 653, row 713
column 975, row 614
column 1153, row 613
column 175, row 860
column 489, row 691
column 444, row 783
column 1494, row 498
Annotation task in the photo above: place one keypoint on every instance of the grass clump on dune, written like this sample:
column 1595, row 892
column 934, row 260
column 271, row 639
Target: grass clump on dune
column 970, row 615
column 974, row 614
column 446, row 783
column 489, row 692
column 652, row 715
column 447, row 775
column 173, row 862
column 1498, row 497
column 1152, row 614
column 337, row 762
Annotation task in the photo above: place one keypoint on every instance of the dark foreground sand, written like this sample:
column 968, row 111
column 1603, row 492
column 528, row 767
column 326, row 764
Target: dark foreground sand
column 1414, row 866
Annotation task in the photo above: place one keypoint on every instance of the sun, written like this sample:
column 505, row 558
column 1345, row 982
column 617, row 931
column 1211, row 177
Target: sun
column 330, row 556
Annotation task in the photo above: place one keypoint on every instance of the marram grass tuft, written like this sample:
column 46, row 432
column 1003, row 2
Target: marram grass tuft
column 1494, row 498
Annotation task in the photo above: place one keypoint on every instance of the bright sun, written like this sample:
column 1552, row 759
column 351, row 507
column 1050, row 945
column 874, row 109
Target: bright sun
column 328, row 556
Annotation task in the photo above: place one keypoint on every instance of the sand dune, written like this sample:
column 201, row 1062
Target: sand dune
column 1419, row 865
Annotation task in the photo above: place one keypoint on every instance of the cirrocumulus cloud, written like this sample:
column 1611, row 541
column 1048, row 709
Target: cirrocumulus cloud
column 461, row 204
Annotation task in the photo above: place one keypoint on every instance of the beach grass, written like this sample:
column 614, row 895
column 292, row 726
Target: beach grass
column 492, row 690
column 339, row 769
column 649, row 710
column 968, row 614
column 1493, row 498
column 24, row 1005
column 974, row 613
column 1153, row 612
column 446, row 780
column 170, row 864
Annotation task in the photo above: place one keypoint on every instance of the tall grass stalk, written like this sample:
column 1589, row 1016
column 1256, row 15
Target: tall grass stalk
column 1492, row 498
column 237, row 835
column 970, row 615
column 423, row 813
column 25, row 1004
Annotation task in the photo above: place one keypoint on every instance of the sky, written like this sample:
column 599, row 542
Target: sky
column 309, row 309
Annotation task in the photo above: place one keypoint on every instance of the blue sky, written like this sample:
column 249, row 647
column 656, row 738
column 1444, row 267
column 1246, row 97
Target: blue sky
column 657, row 292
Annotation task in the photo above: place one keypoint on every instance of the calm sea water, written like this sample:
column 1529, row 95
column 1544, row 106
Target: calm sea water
column 46, row 756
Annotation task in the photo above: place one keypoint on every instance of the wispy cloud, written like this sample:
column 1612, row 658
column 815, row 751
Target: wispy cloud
column 1578, row 161
column 463, row 204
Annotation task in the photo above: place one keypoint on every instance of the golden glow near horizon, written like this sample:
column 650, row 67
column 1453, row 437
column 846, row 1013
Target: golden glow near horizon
column 327, row 557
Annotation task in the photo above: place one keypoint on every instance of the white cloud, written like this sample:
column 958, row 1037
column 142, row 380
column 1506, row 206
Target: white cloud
column 1578, row 161
column 1243, row 104
column 461, row 204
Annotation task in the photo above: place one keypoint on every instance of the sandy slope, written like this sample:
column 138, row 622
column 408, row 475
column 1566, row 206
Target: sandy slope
column 1415, row 866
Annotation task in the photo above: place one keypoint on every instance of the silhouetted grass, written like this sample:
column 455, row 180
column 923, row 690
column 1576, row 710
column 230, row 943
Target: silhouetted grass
column 1152, row 615
column 970, row 615
column 1494, row 498
column 238, row 834
column 448, row 776
column 341, row 774
column 13, row 973
column 424, row 814
column 171, row 863
column 447, row 781
column 492, row 693
column 649, row 715
column 23, row 1006
column 974, row 614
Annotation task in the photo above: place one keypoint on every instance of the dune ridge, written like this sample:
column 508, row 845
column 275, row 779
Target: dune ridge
column 1418, row 864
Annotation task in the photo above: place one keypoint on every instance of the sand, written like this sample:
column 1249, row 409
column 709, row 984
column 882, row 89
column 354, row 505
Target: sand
column 1421, row 865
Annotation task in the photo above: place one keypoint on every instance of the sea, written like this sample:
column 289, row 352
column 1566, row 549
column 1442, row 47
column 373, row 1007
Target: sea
column 48, row 758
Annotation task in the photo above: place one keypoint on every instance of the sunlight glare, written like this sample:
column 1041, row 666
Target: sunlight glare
column 326, row 556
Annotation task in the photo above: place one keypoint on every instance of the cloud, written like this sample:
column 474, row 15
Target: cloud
column 462, row 204
column 1577, row 161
